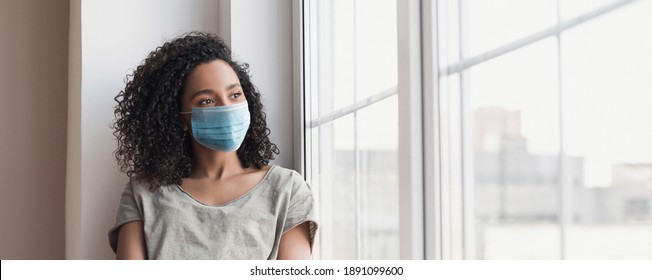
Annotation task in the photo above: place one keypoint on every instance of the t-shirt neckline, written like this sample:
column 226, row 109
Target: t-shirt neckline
column 232, row 200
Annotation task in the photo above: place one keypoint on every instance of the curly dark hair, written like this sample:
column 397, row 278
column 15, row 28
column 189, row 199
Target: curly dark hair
column 152, row 143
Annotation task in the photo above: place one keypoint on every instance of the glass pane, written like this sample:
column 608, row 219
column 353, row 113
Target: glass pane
column 357, row 50
column 377, row 129
column 376, row 47
column 515, row 107
column 495, row 23
column 573, row 8
column 337, row 192
column 354, row 159
column 343, row 52
column 607, row 65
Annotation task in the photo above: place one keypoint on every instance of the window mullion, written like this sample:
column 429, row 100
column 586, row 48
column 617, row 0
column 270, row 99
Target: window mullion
column 431, row 133
column 564, row 184
column 411, row 211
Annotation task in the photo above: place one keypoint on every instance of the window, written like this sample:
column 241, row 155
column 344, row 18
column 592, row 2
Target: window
column 354, row 126
column 527, row 130
column 552, row 95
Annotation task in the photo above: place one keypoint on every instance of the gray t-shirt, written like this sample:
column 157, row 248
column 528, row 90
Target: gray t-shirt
column 178, row 226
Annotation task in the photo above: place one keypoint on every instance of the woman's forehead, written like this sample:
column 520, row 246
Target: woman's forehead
column 217, row 75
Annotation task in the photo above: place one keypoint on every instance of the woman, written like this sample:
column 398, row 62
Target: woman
column 193, row 139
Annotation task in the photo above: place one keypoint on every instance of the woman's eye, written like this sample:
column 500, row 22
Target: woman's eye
column 206, row 101
column 235, row 95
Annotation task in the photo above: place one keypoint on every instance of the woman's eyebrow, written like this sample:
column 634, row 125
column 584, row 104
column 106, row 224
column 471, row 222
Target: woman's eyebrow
column 209, row 91
column 231, row 86
column 203, row 91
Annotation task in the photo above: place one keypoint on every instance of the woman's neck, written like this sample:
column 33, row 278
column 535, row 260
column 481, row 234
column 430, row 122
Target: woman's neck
column 214, row 165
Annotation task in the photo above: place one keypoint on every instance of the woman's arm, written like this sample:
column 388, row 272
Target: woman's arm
column 131, row 242
column 295, row 243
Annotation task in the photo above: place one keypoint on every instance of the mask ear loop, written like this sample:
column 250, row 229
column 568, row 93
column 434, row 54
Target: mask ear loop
column 186, row 129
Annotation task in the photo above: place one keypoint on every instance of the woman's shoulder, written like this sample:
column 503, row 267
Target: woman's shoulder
column 287, row 179
column 280, row 173
column 139, row 185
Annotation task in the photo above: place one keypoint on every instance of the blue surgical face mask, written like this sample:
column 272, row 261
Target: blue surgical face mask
column 221, row 128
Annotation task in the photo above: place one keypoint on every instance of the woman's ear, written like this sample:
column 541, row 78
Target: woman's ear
column 184, row 123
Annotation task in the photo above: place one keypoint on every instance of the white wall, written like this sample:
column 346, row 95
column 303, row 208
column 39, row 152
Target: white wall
column 33, row 98
column 261, row 35
column 114, row 37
